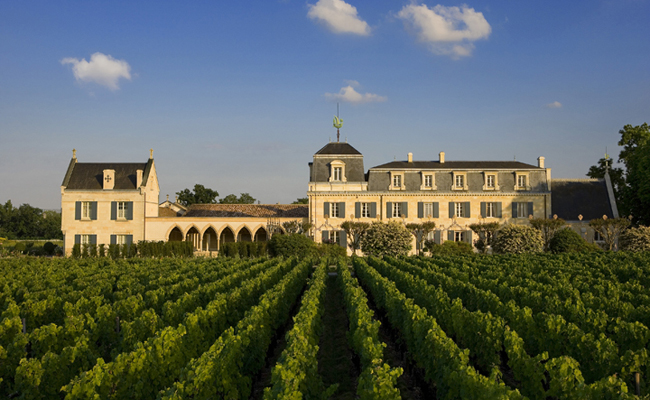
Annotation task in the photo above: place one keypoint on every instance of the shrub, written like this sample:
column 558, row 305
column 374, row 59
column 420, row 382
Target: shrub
column 518, row 239
column 569, row 241
column 485, row 233
column 49, row 248
column 114, row 251
column 20, row 248
column 636, row 239
column 448, row 248
column 386, row 239
column 330, row 251
column 101, row 250
column 76, row 251
column 290, row 245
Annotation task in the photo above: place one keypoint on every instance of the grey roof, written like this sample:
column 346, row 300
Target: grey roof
column 457, row 165
column 586, row 197
column 248, row 210
column 338, row 148
column 89, row 176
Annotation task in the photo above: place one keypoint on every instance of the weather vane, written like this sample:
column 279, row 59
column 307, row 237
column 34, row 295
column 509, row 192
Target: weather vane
column 338, row 122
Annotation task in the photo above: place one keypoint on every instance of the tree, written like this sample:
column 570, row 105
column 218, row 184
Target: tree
column 548, row 227
column 421, row 231
column 391, row 239
column 485, row 233
column 355, row 232
column 617, row 176
column 518, row 239
column 636, row 193
column 610, row 229
column 200, row 195
column 244, row 198
column 569, row 241
column 297, row 227
column 301, row 200
column 636, row 239
column 632, row 137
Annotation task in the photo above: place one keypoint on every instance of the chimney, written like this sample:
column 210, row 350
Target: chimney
column 74, row 154
column 540, row 162
column 109, row 179
column 442, row 157
column 410, row 157
column 138, row 178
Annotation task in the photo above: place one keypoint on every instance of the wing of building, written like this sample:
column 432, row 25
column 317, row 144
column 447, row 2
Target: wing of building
column 115, row 203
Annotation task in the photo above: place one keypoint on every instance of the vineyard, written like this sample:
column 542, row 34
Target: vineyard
column 470, row 327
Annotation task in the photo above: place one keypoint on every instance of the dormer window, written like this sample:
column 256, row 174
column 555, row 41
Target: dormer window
column 490, row 181
column 521, row 181
column 459, row 181
column 337, row 171
column 396, row 181
column 336, row 175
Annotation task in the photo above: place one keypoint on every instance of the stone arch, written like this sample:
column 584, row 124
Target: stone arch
column 244, row 235
column 193, row 235
column 261, row 235
column 210, row 240
column 226, row 235
column 175, row 234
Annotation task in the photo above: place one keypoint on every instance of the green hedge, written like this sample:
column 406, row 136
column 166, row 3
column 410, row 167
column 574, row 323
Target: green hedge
column 243, row 249
column 145, row 249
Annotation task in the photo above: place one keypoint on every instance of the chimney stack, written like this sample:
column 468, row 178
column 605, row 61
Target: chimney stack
column 442, row 157
column 138, row 178
column 540, row 162
column 410, row 157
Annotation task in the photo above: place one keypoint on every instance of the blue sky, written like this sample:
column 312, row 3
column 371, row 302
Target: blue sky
column 239, row 95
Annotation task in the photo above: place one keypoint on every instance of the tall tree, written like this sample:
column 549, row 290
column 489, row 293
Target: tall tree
column 200, row 195
column 617, row 176
column 244, row 198
column 637, row 189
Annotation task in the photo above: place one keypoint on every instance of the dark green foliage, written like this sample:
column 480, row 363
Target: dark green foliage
column 518, row 239
column 294, row 245
column 76, row 251
column 92, row 250
column 569, row 241
column 485, row 233
column 49, row 248
column 200, row 195
column 114, row 251
column 330, row 251
column 636, row 239
column 20, row 248
column 243, row 249
column 386, row 239
column 157, row 249
column 101, row 250
column 29, row 222
column 245, row 198
column 301, row 200
column 448, row 248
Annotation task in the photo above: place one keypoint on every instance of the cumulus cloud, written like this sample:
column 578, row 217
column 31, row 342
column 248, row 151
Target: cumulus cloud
column 555, row 104
column 101, row 69
column 448, row 31
column 349, row 95
column 339, row 17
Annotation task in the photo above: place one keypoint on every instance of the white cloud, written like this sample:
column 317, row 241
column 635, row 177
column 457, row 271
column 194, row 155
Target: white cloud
column 555, row 104
column 339, row 17
column 101, row 69
column 349, row 95
column 447, row 30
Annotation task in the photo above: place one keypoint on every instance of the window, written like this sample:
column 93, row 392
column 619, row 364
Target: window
column 598, row 237
column 338, row 172
column 459, row 236
column 460, row 212
column 121, row 210
column 490, row 211
column 335, row 210
column 397, row 210
column 522, row 210
column 365, row 210
column 460, row 181
column 120, row 239
column 521, row 181
column 334, row 237
column 428, row 181
column 427, row 210
column 85, row 210
column 490, row 181
column 85, row 239
column 397, row 181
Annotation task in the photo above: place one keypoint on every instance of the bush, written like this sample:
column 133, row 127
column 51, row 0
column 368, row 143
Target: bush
column 20, row 248
column 76, row 251
column 636, row 239
column 101, row 250
column 386, row 239
column 448, row 248
column 569, row 241
column 518, row 239
column 49, row 248
column 291, row 245
column 330, row 251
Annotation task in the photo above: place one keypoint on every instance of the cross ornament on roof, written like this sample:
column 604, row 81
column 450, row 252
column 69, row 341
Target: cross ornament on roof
column 108, row 178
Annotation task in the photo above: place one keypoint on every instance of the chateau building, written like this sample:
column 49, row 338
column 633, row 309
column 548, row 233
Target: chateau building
column 118, row 203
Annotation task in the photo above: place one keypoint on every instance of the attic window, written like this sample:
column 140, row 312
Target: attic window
column 337, row 171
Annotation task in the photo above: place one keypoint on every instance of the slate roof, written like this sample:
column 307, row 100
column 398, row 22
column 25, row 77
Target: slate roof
column 338, row 148
column 586, row 197
column 248, row 210
column 457, row 165
column 89, row 176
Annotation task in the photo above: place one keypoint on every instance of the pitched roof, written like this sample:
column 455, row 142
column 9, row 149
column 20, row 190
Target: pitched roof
column 456, row 165
column 248, row 210
column 89, row 176
column 338, row 148
column 586, row 197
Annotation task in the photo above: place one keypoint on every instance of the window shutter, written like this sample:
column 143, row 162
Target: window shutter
column 514, row 210
column 436, row 210
column 436, row 237
column 129, row 210
column 357, row 210
column 420, row 209
column 389, row 209
column 483, row 209
column 77, row 239
column 404, row 209
column 373, row 210
column 113, row 239
column 326, row 209
column 451, row 209
column 326, row 236
column 497, row 206
column 93, row 210
column 129, row 239
column 342, row 210
column 468, row 237
column 530, row 209
column 93, row 239
column 113, row 211
column 77, row 210
column 450, row 235
column 467, row 211
column 343, row 239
